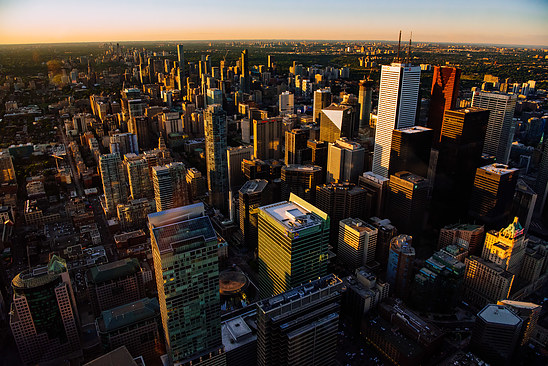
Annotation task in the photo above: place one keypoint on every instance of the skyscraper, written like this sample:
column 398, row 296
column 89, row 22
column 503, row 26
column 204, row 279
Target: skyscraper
column 357, row 243
column 336, row 121
column 170, row 187
column 465, row 235
column 252, row 195
column 182, row 66
column 376, row 187
column 344, row 161
column 114, row 181
column 299, row 327
column 399, row 272
column 296, row 146
column 498, row 138
column 506, row 247
column 493, row 192
column 398, row 97
column 235, row 156
column 386, row 231
column 301, row 180
column 408, row 202
column 139, row 126
column 43, row 317
column 184, row 250
column 410, row 150
column 541, row 184
column 267, row 138
column 364, row 99
column 124, row 143
column 293, row 245
column 217, row 165
column 523, row 206
column 529, row 314
column 140, row 185
column 485, row 282
column 245, row 80
column 286, row 103
column 444, row 94
column 322, row 99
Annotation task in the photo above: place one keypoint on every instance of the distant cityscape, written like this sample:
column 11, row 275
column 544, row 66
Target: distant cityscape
column 238, row 203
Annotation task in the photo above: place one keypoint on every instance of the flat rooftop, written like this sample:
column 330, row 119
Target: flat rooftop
column 358, row 225
column 253, row 186
column 128, row 314
column 499, row 169
column 239, row 331
column 414, row 129
column 114, row 270
column 499, row 314
column 292, row 216
column 375, row 177
column 304, row 168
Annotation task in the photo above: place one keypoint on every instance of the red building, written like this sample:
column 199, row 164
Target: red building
column 445, row 91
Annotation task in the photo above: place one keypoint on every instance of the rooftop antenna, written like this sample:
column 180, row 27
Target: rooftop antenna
column 409, row 49
column 399, row 48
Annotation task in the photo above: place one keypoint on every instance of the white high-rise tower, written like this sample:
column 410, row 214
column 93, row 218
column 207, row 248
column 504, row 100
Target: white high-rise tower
column 398, row 97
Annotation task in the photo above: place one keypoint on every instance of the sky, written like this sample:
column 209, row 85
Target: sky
column 516, row 22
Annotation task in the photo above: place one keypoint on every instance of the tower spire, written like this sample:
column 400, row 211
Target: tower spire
column 409, row 49
column 399, row 48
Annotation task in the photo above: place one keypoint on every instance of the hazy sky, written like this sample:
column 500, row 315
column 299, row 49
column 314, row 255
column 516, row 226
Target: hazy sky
column 523, row 22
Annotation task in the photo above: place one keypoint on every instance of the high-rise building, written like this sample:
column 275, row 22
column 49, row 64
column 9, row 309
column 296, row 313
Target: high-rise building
column 7, row 172
column 336, row 121
column 399, row 271
column 357, row 243
column 133, row 214
column 293, row 245
column 267, row 139
column 43, row 317
column 234, row 157
column 170, row 187
column 458, row 156
column 364, row 99
column 385, row 232
column 245, row 80
column 410, row 150
column 529, row 314
column 252, row 195
column 499, row 136
column 140, row 185
column 196, row 183
column 523, row 206
column 299, row 327
column 322, row 99
column 296, row 146
column 376, row 187
column 467, row 236
column 506, row 247
column 124, row 143
column 496, row 334
column 286, row 103
column 344, row 161
column 485, row 282
column 184, row 251
column 301, row 180
column 541, row 184
column 133, row 325
column 217, row 165
column 398, row 98
column 139, row 126
column 408, row 202
column 319, row 154
column 493, row 193
column 114, row 181
column 181, row 75
column 444, row 94
column 214, row 96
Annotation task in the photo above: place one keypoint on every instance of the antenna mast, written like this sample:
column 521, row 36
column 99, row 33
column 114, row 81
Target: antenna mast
column 399, row 48
column 409, row 49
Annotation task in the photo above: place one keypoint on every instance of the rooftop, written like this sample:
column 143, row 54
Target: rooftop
column 114, row 270
column 252, row 186
column 375, row 177
column 299, row 167
column 358, row 225
column 499, row 169
column 410, row 177
column 239, row 331
column 291, row 215
column 499, row 314
column 119, row 357
column 414, row 129
column 128, row 314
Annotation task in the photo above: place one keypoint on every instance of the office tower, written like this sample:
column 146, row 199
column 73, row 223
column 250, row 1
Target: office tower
column 286, row 103
column 217, row 165
column 523, row 205
column 252, row 195
column 541, row 184
column 344, row 161
column 140, row 185
column 235, row 156
column 493, row 192
column 214, row 96
column 364, row 99
column 398, row 97
column 124, row 143
column 399, row 271
column 301, row 180
column 529, row 314
column 357, row 243
column 336, row 121
column 485, row 282
column 444, row 94
column 322, row 99
column 245, row 81
column 385, row 232
column 139, row 127
column 293, row 245
column 270, row 62
column 319, row 153
column 196, row 183
column 459, row 154
column 506, row 247
column 376, row 187
column 114, row 181
column 410, row 150
column 468, row 236
column 7, row 172
column 240, row 339
column 299, row 327
column 170, row 188
column 184, row 251
column 267, row 138
column 340, row 201
column 296, row 146
column 496, row 334
column 133, row 325
column 114, row 284
column 498, row 138
column 408, row 202
column 43, row 317
column 133, row 214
